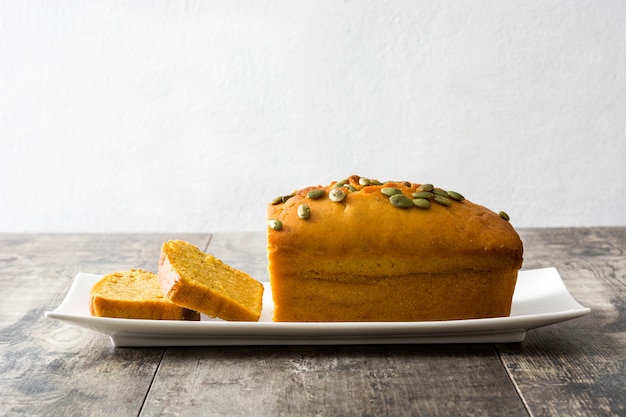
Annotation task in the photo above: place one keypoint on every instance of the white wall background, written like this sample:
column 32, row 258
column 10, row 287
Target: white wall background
column 169, row 115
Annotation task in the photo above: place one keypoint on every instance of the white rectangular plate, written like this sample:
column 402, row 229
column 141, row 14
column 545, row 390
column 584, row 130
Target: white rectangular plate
column 540, row 299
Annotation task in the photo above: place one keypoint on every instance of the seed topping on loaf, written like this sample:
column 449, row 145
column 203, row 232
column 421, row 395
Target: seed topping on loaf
column 421, row 196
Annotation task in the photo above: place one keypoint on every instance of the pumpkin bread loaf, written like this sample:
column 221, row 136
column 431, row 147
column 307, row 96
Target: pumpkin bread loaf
column 201, row 282
column 134, row 294
column 362, row 250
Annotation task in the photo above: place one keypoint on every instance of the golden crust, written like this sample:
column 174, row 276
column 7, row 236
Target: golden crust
column 416, row 297
column 201, row 282
column 134, row 294
column 364, row 238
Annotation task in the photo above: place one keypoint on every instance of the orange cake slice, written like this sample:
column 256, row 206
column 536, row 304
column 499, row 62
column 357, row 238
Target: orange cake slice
column 134, row 294
column 201, row 282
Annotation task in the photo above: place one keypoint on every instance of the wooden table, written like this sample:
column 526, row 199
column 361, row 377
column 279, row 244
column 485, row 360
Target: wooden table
column 574, row 368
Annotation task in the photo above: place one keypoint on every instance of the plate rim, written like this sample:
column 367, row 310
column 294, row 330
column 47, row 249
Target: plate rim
column 130, row 332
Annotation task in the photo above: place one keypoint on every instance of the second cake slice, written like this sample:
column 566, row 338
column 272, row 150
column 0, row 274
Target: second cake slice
column 199, row 281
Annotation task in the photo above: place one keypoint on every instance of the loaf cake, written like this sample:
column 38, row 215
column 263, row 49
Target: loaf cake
column 363, row 250
column 134, row 294
column 201, row 282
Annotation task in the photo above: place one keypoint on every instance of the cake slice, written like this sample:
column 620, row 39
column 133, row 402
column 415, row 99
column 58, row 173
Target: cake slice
column 134, row 294
column 201, row 282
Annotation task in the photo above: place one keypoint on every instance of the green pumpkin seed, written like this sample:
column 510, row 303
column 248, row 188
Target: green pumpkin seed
column 304, row 211
column 336, row 195
column 456, row 196
column 349, row 187
column 376, row 182
column 421, row 203
column 364, row 181
column 444, row 201
column 277, row 200
column 286, row 197
column 313, row 194
column 426, row 187
column 400, row 201
column 423, row 194
column 342, row 182
column 441, row 192
column 390, row 191
column 275, row 224
column 504, row 216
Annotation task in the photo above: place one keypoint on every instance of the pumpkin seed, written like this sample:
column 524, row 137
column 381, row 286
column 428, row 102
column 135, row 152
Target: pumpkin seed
column 275, row 224
column 376, row 182
column 304, row 211
column 336, row 195
column 400, row 201
column 441, row 192
column 504, row 216
column 277, row 200
column 425, row 187
column 349, row 187
column 456, row 196
column 342, row 182
column 364, row 181
column 390, row 191
column 444, row 201
column 423, row 194
column 421, row 203
column 313, row 194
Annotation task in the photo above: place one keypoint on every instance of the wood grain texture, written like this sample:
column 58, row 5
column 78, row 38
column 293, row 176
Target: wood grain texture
column 577, row 368
column 51, row 368
column 393, row 380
